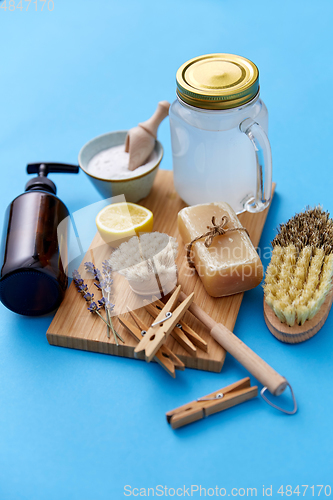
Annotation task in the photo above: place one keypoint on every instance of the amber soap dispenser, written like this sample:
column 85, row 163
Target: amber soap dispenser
column 33, row 280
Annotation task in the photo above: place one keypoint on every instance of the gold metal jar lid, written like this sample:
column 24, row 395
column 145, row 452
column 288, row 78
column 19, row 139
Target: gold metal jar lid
column 217, row 81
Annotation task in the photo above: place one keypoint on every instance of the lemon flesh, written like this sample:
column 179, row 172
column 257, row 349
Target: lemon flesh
column 120, row 221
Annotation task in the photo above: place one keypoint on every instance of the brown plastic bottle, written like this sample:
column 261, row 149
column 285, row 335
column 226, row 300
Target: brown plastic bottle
column 32, row 278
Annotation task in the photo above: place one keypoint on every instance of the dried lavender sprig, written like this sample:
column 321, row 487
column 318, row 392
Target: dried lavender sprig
column 108, row 306
column 115, row 335
column 93, row 308
column 104, row 284
column 83, row 289
column 101, row 304
column 91, row 268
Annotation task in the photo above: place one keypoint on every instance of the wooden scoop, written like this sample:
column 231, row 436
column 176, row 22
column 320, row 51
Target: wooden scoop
column 140, row 140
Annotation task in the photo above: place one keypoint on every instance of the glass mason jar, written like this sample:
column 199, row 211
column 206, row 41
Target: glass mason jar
column 219, row 129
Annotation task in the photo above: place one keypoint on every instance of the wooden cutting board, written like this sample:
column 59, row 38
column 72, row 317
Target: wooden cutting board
column 75, row 327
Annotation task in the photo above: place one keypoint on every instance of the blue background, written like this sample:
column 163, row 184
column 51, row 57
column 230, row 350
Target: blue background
column 78, row 425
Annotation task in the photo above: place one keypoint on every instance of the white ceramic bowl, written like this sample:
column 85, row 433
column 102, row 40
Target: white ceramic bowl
column 134, row 188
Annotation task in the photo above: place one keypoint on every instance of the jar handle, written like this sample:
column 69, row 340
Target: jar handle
column 263, row 154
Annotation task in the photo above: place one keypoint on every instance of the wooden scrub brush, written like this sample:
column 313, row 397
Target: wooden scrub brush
column 298, row 282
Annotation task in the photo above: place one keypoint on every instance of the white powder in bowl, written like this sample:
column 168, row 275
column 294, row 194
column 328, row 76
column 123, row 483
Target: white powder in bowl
column 112, row 163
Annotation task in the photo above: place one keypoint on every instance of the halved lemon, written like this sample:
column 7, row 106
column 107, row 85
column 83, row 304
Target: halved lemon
column 120, row 221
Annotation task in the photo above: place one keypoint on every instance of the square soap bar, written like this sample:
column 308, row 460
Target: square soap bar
column 230, row 264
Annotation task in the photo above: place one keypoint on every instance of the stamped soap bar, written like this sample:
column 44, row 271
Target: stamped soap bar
column 226, row 263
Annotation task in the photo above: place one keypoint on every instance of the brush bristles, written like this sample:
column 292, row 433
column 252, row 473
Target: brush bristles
column 296, row 287
column 299, row 276
column 311, row 228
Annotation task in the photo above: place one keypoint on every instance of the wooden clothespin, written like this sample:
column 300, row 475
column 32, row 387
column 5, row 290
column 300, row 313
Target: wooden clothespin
column 163, row 325
column 164, row 356
column 217, row 401
column 183, row 333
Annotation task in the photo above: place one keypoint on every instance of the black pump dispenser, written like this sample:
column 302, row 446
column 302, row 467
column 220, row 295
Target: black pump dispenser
column 32, row 278
column 43, row 169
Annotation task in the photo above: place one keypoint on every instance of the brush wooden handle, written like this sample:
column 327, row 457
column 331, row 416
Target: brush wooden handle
column 151, row 125
column 275, row 383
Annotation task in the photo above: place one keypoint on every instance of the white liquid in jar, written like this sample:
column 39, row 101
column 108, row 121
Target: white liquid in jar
column 213, row 160
column 112, row 163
